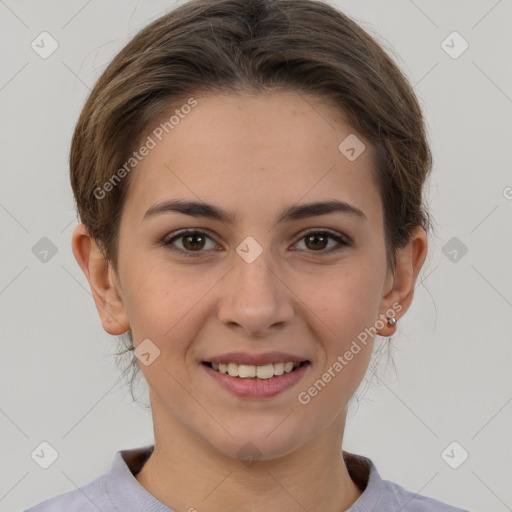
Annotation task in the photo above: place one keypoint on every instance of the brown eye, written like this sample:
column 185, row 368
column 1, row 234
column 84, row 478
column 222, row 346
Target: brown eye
column 191, row 242
column 317, row 241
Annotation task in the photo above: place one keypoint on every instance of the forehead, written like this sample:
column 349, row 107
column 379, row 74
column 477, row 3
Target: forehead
column 248, row 152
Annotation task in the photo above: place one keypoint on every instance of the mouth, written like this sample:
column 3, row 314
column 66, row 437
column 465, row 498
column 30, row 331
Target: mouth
column 256, row 373
column 257, row 382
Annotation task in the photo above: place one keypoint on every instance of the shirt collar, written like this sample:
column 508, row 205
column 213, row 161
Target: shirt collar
column 127, row 494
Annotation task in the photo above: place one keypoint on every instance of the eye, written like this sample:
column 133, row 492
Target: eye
column 192, row 241
column 317, row 241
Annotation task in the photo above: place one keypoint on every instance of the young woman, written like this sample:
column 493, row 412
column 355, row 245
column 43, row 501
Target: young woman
column 248, row 176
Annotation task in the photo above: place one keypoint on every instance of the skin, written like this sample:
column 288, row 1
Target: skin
column 252, row 156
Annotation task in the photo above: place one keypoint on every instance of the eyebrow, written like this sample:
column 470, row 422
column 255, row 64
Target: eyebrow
column 297, row 212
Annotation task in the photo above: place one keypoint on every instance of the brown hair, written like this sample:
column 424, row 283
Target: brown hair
column 231, row 46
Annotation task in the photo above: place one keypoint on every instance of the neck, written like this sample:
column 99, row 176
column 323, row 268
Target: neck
column 186, row 473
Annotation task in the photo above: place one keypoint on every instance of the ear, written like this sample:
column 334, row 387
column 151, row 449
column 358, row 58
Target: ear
column 409, row 261
column 102, row 280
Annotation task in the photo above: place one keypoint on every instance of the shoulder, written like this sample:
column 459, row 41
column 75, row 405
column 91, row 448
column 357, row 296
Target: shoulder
column 88, row 498
column 379, row 494
column 394, row 495
column 116, row 489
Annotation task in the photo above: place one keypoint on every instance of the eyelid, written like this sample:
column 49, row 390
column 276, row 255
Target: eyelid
column 341, row 240
column 184, row 232
column 169, row 239
column 331, row 232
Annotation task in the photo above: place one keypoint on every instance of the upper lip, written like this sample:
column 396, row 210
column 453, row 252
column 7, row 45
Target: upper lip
column 255, row 359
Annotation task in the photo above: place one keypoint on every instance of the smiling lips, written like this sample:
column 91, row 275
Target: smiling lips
column 255, row 366
column 260, row 381
column 246, row 371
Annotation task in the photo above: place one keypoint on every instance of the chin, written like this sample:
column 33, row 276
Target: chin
column 251, row 444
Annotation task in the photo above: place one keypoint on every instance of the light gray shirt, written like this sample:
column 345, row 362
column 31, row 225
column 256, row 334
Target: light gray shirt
column 117, row 490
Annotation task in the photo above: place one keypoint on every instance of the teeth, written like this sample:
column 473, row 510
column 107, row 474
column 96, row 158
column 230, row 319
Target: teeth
column 247, row 371
column 233, row 369
column 278, row 368
column 264, row 372
column 288, row 367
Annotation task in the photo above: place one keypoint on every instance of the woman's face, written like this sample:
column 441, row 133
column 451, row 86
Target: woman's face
column 254, row 282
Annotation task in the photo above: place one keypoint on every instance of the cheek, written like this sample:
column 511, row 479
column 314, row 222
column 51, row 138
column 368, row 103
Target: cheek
column 344, row 307
column 161, row 302
column 148, row 298
column 346, row 300
column 348, row 310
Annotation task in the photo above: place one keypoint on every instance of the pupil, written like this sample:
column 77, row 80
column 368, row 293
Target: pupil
column 193, row 245
column 316, row 237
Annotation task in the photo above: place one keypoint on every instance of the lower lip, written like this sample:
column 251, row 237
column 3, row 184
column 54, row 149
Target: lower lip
column 258, row 388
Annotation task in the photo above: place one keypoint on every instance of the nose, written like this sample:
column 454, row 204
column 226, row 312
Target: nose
column 255, row 298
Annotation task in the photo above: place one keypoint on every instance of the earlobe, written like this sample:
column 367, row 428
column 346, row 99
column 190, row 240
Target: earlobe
column 101, row 276
column 409, row 261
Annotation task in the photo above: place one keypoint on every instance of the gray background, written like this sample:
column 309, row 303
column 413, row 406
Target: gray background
column 58, row 380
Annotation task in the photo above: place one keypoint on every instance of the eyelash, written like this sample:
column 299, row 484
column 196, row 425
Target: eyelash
column 167, row 242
